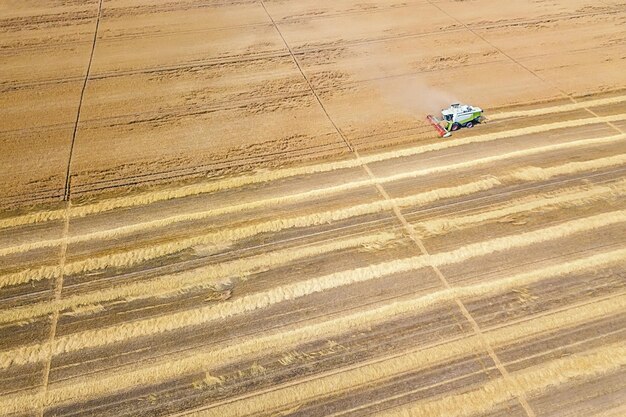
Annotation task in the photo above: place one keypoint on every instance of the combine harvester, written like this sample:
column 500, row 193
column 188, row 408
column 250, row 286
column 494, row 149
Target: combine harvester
column 455, row 117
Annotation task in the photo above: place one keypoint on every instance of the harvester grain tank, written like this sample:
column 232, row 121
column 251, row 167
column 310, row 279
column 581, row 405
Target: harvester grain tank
column 454, row 117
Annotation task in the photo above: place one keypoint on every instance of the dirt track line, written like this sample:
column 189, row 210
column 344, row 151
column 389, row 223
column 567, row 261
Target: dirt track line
column 237, row 182
column 306, row 79
column 381, row 369
column 218, row 239
column 58, row 288
column 204, row 277
column 194, row 317
column 160, row 372
column 305, row 196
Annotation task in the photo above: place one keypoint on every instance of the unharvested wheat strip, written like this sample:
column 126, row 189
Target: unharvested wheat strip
column 301, row 197
column 220, row 238
column 261, row 177
column 531, row 381
column 152, row 326
column 558, row 109
column 204, row 277
column 575, row 197
column 94, row 386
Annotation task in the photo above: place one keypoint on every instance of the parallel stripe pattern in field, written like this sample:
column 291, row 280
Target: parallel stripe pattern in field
column 483, row 275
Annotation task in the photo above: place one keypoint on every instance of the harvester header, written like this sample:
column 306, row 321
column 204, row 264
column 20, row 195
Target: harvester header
column 454, row 117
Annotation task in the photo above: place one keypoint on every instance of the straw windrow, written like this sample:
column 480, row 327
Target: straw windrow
column 205, row 277
column 152, row 326
column 263, row 177
column 91, row 387
column 118, row 232
column 220, row 238
column 558, row 109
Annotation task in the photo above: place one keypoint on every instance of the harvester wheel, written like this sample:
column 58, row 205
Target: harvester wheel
column 469, row 125
column 455, row 126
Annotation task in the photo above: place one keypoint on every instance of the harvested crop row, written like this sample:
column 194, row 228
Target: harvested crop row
column 558, row 109
column 94, row 386
column 152, row 326
column 204, row 277
column 302, row 197
column 532, row 381
column 262, row 177
column 542, row 174
column 210, row 276
column 307, row 196
column 220, row 238
column 574, row 197
column 413, row 361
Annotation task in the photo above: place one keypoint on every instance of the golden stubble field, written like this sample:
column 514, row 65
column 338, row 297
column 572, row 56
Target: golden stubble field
column 236, row 208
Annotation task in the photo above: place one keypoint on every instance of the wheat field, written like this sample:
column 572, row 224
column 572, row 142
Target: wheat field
column 433, row 250
column 238, row 209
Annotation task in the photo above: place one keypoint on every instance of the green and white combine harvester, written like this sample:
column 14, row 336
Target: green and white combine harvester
column 455, row 117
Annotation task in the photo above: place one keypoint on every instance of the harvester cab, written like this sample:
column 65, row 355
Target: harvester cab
column 454, row 117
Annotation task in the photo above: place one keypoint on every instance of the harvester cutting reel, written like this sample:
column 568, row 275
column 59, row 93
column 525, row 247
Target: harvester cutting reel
column 455, row 117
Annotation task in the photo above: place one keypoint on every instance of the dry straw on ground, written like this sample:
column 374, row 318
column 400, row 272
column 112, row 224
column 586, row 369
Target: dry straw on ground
column 205, row 277
column 380, row 370
column 383, row 369
column 536, row 380
column 91, row 387
column 194, row 317
column 118, row 232
column 351, row 378
column 558, row 109
column 262, row 177
column 220, row 238
column 572, row 197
